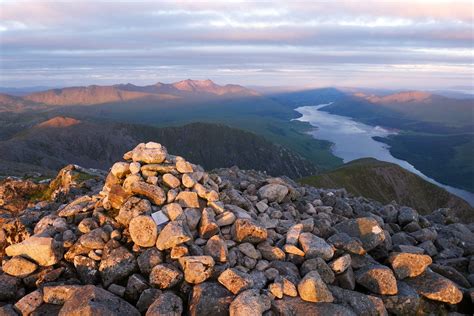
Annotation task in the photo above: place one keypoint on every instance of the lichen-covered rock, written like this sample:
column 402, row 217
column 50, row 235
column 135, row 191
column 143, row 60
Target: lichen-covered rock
column 152, row 192
column 188, row 199
column 133, row 207
column 143, row 231
column 197, row 269
column 377, row 279
column 116, row 264
column 408, row 264
column 245, row 230
column 19, row 267
column 313, row 289
column 165, row 276
column 58, row 294
column 235, row 281
column 173, row 234
column 43, row 250
column 436, row 287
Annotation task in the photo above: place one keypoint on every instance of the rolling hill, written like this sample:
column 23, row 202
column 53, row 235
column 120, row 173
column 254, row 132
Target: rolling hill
column 63, row 140
column 387, row 182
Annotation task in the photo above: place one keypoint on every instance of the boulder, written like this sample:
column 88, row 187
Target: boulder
column 90, row 300
column 87, row 269
column 165, row 276
column 208, row 226
column 116, row 264
column 188, row 199
column 95, row 239
column 147, row 297
column 30, row 302
column 152, row 192
column 313, row 289
column 9, row 287
column 360, row 303
column 171, row 181
column 318, row 264
column 366, row 229
column 143, row 231
column 345, row 242
column 452, row 274
column 149, row 153
column 210, row 298
column 197, row 269
column 217, row 249
column 436, row 287
column 235, row 280
column 133, row 207
column 405, row 302
column 313, row 246
column 296, row 306
column 148, row 259
column 407, row 215
column 173, row 234
column 340, row 264
column 273, row 192
column 249, row 303
column 168, row 304
column 377, row 279
column 246, row 230
column 172, row 210
column 19, row 267
column 58, row 294
column 136, row 284
column 43, row 250
column 408, row 264
column 293, row 234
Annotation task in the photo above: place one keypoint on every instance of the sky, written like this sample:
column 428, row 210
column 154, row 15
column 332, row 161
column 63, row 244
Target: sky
column 412, row 44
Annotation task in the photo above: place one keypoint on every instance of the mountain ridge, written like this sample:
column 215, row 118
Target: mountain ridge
column 61, row 140
column 96, row 94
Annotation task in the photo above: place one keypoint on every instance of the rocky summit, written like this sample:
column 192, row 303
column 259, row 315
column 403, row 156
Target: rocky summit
column 159, row 235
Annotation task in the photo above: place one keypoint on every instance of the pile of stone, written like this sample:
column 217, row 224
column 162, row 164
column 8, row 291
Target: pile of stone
column 163, row 237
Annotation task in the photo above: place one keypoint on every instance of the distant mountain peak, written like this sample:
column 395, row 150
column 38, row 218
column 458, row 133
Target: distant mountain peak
column 399, row 97
column 59, row 122
column 196, row 85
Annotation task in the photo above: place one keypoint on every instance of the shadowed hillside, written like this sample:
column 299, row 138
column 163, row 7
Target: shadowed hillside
column 61, row 140
column 386, row 182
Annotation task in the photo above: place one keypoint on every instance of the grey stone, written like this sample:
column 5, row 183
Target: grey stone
column 210, row 298
column 248, row 303
column 90, row 300
column 168, row 304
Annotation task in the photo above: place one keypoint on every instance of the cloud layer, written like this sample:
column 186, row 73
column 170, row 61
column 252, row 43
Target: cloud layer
column 408, row 44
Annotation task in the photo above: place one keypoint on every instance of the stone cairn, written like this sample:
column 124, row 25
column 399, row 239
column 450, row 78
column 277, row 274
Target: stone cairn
column 163, row 237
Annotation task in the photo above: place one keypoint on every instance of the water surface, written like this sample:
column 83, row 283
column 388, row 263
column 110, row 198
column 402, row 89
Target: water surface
column 353, row 140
